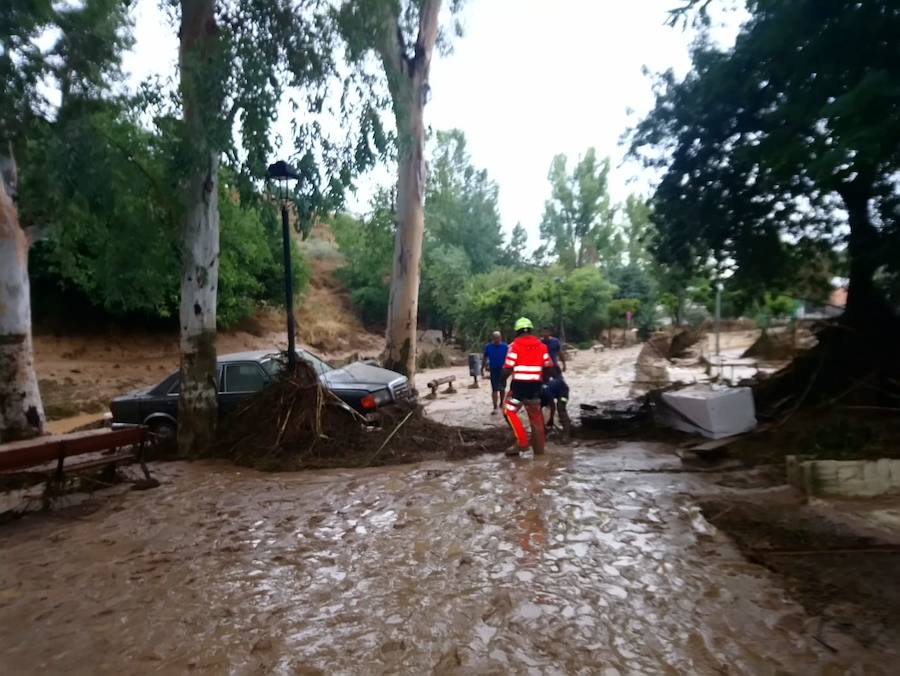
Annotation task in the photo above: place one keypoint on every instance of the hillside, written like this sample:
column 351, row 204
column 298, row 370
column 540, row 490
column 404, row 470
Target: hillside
column 80, row 371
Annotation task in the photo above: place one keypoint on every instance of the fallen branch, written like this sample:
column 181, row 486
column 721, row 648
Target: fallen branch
column 391, row 435
column 862, row 549
column 890, row 409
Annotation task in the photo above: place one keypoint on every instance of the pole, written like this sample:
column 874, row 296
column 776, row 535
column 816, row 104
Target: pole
column 562, row 321
column 718, row 314
column 288, row 286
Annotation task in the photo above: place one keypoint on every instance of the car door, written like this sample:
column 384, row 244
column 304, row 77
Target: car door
column 239, row 380
column 166, row 401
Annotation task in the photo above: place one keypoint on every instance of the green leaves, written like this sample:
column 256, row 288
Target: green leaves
column 760, row 143
column 461, row 208
column 577, row 226
column 108, row 192
column 369, row 248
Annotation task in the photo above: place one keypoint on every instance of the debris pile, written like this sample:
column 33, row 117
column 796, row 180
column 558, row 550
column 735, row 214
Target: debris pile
column 780, row 344
column 295, row 423
column 660, row 353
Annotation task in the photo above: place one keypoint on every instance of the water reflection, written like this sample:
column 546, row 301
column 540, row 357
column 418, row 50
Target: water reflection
column 554, row 565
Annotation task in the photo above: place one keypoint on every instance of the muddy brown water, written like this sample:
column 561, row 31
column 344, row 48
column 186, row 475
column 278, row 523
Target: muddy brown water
column 589, row 560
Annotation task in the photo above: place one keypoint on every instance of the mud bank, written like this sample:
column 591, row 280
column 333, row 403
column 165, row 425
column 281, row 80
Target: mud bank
column 834, row 563
column 589, row 560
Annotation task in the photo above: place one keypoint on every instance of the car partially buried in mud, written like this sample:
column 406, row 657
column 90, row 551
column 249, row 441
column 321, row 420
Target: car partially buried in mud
column 363, row 386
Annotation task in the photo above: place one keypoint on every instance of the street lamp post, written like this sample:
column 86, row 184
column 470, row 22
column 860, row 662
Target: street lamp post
column 718, row 314
column 559, row 308
column 282, row 172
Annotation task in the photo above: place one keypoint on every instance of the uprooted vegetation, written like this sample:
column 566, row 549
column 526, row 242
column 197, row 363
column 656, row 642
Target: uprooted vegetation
column 297, row 424
column 839, row 399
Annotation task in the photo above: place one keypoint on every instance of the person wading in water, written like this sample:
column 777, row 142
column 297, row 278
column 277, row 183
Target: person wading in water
column 529, row 364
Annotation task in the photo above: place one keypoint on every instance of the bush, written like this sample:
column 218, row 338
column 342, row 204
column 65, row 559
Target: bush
column 109, row 190
column 368, row 247
column 494, row 300
column 251, row 270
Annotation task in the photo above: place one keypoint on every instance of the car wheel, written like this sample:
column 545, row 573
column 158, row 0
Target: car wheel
column 162, row 435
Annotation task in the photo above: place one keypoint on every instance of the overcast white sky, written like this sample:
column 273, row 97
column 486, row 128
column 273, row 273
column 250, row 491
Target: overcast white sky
column 529, row 79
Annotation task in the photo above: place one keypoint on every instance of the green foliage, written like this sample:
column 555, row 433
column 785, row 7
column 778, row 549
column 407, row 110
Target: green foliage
column 761, row 144
column 780, row 305
column 251, row 271
column 577, row 226
column 493, row 301
column 461, row 204
column 619, row 308
column 514, row 254
column 103, row 185
column 462, row 236
column 89, row 38
column 368, row 247
column 774, row 306
column 587, row 295
column 445, row 270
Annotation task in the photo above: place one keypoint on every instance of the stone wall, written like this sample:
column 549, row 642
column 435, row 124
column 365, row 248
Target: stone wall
column 848, row 478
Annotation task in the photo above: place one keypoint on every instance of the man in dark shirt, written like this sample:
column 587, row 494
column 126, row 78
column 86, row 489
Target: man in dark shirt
column 555, row 396
column 555, row 348
column 494, row 356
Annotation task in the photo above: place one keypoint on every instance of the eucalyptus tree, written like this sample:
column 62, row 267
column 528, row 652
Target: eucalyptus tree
column 402, row 35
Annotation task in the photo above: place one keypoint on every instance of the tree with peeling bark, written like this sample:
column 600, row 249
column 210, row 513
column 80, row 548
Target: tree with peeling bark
column 202, row 99
column 403, row 36
column 77, row 70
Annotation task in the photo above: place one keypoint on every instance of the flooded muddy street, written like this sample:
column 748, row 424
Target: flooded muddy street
column 589, row 560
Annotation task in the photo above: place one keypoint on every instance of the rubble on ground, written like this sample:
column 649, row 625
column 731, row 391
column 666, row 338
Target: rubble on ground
column 295, row 423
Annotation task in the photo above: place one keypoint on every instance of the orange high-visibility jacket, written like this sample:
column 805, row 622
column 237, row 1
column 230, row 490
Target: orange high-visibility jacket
column 527, row 357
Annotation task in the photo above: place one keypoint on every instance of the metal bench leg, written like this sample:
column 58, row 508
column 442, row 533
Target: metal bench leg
column 140, row 459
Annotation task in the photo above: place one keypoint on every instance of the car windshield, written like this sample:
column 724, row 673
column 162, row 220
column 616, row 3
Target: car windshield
column 272, row 364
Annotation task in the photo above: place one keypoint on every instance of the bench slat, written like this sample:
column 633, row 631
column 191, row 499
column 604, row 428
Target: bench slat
column 22, row 454
column 92, row 441
column 32, row 452
column 99, row 462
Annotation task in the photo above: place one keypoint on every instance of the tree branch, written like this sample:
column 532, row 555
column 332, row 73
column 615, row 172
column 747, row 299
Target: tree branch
column 391, row 46
column 428, row 31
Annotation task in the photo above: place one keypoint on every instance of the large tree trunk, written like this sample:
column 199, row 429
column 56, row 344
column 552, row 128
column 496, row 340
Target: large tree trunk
column 198, row 406
column 403, row 308
column 408, row 83
column 865, row 306
column 21, row 411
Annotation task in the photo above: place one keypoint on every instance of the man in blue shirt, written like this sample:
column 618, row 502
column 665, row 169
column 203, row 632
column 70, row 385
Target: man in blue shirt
column 554, row 347
column 494, row 357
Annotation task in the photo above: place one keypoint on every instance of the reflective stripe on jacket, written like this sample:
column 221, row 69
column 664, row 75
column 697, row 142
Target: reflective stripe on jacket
column 527, row 357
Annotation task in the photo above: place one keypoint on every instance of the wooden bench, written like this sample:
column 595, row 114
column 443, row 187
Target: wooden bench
column 51, row 452
column 437, row 382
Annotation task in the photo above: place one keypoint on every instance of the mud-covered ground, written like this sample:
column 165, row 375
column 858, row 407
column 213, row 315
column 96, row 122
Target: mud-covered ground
column 598, row 558
column 590, row 560
column 591, row 376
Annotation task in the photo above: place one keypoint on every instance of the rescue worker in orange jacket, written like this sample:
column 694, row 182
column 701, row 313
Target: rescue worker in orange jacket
column 529, row 364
